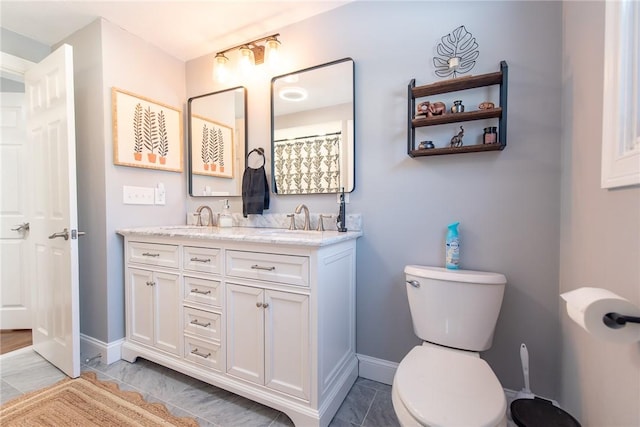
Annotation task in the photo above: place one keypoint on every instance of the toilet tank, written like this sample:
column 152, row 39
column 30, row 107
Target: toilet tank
column 454, row 308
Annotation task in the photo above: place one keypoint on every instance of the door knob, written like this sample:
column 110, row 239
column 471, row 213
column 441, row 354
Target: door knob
column 22, row 227
column 64, row 233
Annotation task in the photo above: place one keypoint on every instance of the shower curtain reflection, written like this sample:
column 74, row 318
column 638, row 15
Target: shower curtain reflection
column 308, row 164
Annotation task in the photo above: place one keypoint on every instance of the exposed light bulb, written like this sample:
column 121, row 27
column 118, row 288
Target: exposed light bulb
column 246, row 60
column 273, row 51
column 220, row 68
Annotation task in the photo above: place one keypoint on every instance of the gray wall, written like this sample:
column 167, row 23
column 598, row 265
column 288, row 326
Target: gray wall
column 508, row 202
column 107, row 56
column 600, row 243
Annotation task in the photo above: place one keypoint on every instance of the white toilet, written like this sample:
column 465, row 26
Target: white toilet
column 444, row 382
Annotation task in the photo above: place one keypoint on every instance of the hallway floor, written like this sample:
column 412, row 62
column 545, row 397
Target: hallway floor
column 367, row 404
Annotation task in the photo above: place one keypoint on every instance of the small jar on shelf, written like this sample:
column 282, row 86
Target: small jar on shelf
column 490, row 135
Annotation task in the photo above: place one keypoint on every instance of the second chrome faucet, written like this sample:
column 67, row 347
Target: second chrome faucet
column 300, row 208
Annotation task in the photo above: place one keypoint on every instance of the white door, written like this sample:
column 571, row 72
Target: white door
column 54, row 218
column 15, row 293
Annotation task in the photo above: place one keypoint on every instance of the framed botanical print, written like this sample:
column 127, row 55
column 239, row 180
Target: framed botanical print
column 211, row 148
column 146, row 133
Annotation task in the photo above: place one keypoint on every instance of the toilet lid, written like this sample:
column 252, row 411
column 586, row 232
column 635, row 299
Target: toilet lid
column 446, row 387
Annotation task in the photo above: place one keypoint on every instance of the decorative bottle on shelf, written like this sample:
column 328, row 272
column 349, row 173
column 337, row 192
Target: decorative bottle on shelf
column 452, row 248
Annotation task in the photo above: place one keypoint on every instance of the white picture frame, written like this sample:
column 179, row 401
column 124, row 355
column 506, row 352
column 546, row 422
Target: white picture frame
column 621, row 103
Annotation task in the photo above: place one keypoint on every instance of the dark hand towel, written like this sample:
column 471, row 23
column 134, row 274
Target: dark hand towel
column 255, row 191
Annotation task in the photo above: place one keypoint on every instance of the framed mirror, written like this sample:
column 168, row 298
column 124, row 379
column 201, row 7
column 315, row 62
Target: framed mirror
column 217, row 126
column 312, row 129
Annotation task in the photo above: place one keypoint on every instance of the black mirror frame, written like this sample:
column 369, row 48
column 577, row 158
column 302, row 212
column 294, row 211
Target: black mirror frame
column 353, row 95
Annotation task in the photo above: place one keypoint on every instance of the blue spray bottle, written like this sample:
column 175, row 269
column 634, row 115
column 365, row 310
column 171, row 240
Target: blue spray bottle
column 452, row 249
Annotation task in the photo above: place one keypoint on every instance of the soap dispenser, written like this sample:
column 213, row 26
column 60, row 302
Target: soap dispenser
column 225, row 220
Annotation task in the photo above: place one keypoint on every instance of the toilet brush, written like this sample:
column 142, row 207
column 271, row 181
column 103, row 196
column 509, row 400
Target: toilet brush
column 525, row 393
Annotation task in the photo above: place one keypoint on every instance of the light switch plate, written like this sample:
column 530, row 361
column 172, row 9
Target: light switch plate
column 137, row 195
column 160, row 194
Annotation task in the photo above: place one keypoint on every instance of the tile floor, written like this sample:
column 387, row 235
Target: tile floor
column 367, row 404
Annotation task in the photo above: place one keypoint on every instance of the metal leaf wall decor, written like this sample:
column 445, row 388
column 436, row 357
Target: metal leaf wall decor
column 458, row 44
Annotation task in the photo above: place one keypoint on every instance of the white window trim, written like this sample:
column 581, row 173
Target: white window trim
column 621, row 106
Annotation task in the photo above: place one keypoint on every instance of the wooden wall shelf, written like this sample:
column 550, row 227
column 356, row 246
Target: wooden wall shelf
column 453, row 85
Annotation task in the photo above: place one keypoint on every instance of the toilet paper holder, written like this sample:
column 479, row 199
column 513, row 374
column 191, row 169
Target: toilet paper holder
column 617, row 320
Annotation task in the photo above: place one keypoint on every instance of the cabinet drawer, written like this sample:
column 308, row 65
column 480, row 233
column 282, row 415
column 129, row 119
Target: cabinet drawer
column 204, row 353
column 289, row 269
column 202, row 323
column 154, row 254
column 203, row 291
column 206, row 260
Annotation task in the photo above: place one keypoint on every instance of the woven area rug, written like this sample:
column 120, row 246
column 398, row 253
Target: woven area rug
column 85, row 401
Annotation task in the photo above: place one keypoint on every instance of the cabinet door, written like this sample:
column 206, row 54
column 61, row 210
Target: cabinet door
column 140, row 306
column 245, row 333
column 287, row 343
column 167, row 319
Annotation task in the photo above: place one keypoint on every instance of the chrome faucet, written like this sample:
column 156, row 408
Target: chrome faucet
column 299, row 209
column 199, row 213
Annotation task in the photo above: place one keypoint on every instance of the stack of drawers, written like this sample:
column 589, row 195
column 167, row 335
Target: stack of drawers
column 203, row 307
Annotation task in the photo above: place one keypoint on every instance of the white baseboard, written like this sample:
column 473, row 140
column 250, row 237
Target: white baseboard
column 91, row 347
column 374, row 369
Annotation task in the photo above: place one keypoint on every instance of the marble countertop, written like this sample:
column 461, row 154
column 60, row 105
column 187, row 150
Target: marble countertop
column 244, row 234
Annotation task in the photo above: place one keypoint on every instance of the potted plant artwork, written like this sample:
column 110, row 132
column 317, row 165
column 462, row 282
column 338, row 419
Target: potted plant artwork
column 146, row 133
column 150, row 132
column 163, row 138
column 137, row 133
column 212, row 147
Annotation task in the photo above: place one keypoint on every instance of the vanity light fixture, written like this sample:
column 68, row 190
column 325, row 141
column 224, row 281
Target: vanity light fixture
column 251, row 53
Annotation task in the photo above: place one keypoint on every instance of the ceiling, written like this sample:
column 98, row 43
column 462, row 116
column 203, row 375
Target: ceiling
column 184, row 29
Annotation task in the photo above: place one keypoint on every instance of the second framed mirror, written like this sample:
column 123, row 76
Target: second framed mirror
column 312, row 129
column 217, row 124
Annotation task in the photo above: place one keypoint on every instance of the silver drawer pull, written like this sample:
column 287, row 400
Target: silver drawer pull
column 195, row 259
column 150, row 254
column 260, row 267
column 197, row 291
column 204, row 325
column 197, row 353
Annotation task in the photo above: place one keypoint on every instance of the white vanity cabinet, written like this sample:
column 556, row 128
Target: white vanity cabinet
column 265, row 317
column 268, row 338
column 153, row 289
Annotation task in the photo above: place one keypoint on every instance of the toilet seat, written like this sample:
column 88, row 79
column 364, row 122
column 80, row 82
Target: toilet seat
column 440, row 386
